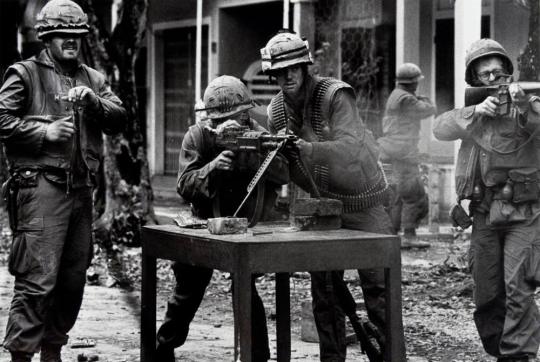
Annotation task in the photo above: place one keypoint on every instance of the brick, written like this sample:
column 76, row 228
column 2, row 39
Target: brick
column 316, row 222
column 320, row 207
column 227, row 225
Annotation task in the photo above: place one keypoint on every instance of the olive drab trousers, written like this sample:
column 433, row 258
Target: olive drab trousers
column 50, row 253
column 191, row 283
column 505, row 265
column 409, row 203
column 329, row 315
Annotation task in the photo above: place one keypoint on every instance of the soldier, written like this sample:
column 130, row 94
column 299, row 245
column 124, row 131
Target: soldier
column 53, row 110
column 399, row 146
column 497, row 169
column 215, row 181
column 340, row 154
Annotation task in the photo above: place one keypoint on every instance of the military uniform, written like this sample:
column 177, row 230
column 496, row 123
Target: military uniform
column 200, row 186
column 212, row 193
column 399, row 146
column 497, row 169
column 343, row 166
column 52, row 236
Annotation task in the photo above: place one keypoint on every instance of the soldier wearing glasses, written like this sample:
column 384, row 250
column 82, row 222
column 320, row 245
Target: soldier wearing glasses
column 497, row 169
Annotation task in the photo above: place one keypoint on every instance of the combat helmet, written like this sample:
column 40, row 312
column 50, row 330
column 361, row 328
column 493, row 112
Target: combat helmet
column 225, row 96
column 482, row 48
column 408, row 73
column 61, row 16
column 283, row 50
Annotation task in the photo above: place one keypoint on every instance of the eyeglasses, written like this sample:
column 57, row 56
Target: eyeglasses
column 497, row 73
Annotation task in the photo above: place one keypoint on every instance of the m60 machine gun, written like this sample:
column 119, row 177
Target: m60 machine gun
column 243, row 140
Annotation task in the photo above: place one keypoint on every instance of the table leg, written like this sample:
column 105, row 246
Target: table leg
column 242, row 311
column 395, row 345
column 148, row 308
column 283, row 317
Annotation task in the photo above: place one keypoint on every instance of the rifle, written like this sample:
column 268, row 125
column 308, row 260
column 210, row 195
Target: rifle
column 371, row 342
column 243, row 139
column 476, row 95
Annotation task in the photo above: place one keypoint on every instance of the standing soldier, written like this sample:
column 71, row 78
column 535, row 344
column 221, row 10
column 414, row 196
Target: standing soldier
column 497, row 169
column 340, row 154
column 214, row 182
column 53, row 110
column 399, row 146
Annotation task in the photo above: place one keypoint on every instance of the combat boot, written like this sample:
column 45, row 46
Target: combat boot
column 21, row 357
column 515, row 359
column 51, row 352
column 164, row 354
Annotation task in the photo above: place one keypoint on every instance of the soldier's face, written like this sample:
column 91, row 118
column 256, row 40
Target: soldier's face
column 491, row 70
column 64, row 47
column 290, row 80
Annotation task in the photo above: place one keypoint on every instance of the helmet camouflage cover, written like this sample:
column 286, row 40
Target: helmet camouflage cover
column 225, row 96
column 283, row 50
column 61, row 16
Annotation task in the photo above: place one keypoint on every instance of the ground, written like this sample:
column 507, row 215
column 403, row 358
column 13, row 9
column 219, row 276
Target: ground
column 437, row 309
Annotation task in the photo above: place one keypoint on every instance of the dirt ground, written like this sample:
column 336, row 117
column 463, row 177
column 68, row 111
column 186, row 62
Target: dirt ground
column 437, row 309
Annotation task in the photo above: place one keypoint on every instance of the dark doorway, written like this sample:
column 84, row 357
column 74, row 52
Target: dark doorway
column 244, row 30
column 444, row 60
column 179, row 87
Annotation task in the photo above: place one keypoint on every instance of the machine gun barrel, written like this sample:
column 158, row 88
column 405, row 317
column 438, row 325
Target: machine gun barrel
column 476, row 95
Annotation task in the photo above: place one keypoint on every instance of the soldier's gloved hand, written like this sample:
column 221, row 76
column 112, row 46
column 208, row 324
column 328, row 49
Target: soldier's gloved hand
column 224, row 161
column 60, row 130
column 519, row 98
column 488, row 107
column 305, row 148
column 83, row 96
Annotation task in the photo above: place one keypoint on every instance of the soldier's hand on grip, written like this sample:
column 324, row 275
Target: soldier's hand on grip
column 224, row 161
column 60, row 130
column 519, row 98
column 305, row 148
column 488, row 107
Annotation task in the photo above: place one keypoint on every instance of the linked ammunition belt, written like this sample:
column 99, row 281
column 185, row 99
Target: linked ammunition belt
column 370, row 196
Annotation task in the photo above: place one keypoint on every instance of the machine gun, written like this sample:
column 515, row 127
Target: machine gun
column 245, row 140
column 476, row 95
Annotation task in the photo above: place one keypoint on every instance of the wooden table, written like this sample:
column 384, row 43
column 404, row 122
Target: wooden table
column 277, row 252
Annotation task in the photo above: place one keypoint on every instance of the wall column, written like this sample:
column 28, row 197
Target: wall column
column 304, row 20
column 407, row 32
column 467, row 26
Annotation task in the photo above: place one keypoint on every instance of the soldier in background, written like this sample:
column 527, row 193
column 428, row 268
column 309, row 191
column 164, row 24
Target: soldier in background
column 53, row 113
column 399, row 146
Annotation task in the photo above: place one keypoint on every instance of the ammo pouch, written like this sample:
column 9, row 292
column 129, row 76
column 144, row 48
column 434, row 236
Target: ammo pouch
column 504, row 213
column 460, row 217
column 525, row 184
